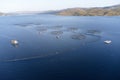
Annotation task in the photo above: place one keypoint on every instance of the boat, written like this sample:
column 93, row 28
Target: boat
column 14, row 42
column 107, row 41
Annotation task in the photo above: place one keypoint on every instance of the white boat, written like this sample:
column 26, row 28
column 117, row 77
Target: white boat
column 14, row 42
column 107, row 41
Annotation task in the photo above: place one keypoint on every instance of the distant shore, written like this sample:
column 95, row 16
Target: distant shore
column 95, row 11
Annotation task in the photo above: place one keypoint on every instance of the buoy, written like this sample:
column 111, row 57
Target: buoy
column 107, row 41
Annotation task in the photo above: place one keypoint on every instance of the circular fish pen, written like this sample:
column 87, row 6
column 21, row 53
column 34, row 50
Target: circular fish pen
column 93, row 32
column 41, row 29
column 72, row 29
column 57, row 32
column 57, row 27
column 78, row 36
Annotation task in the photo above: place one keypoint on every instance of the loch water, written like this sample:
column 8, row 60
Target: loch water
column 55, row 47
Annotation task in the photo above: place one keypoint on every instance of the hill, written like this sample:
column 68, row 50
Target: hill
column 96, row 11
column 1, row 14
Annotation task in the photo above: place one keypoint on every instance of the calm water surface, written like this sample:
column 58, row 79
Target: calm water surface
column 59, row 48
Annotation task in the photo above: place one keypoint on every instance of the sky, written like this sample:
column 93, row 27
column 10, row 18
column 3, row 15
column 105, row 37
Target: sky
column 44, row 5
